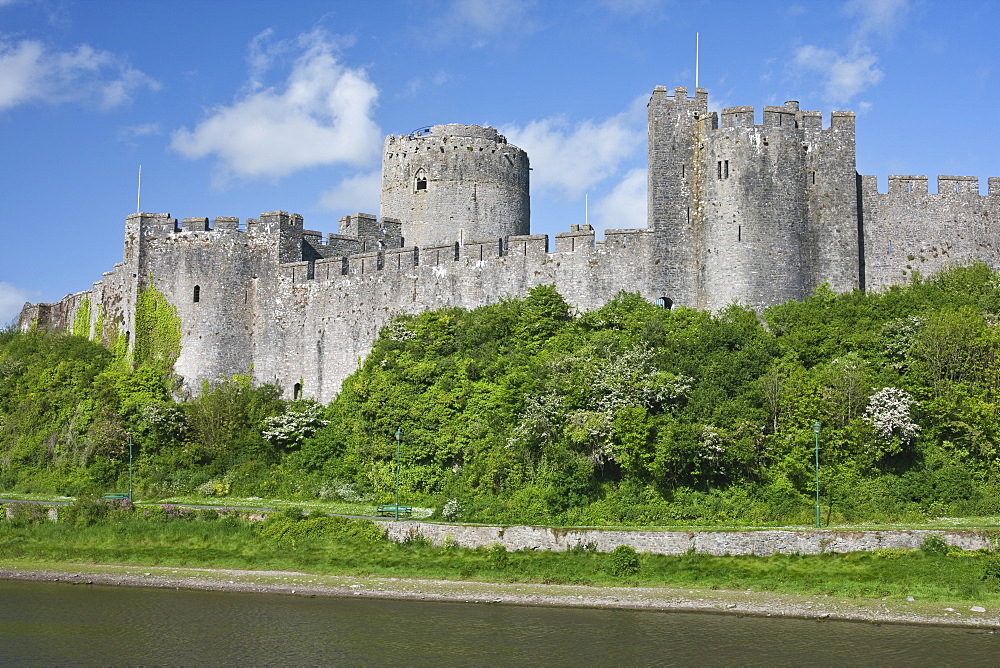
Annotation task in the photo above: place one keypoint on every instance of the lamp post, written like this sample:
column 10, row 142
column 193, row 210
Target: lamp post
column 399, row 437
column 130, row 466
column 816, row 450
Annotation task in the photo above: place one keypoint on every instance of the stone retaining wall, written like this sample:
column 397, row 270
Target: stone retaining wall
column 761, row 543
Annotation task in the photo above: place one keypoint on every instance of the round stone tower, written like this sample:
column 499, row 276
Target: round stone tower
column 453, row 183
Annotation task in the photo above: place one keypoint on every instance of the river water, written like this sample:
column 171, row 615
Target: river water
column 51, row 623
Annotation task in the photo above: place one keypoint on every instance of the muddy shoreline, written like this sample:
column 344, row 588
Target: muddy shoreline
column 749, row 602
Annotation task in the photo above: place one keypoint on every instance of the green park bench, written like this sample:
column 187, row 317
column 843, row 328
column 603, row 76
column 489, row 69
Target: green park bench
column 390, row 510
column 116, row 496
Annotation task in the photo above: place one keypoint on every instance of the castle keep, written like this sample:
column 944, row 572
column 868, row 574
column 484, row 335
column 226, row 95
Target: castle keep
column 738, row 212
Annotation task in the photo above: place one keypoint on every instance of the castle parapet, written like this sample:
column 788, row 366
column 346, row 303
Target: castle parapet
column 401, row 258
column 811, row 120
column 903, row 184
column 230, row 223
column 958, row 185
column 194, row 224
column 579, row 237
column 842, row 120
column 528, row 244
column 435, row 255
column 780, row 117
column 482, row 250
column 738, row 117
column 616, row 239
column 994, row 186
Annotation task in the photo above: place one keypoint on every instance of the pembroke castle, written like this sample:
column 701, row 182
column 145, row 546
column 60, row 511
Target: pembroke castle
column 738, row 211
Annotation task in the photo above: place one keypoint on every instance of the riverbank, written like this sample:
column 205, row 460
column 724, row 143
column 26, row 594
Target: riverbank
column 749, row 602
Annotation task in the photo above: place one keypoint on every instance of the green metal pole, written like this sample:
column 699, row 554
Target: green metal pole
column 399, row 436
column 130, row 466
column 816, row 433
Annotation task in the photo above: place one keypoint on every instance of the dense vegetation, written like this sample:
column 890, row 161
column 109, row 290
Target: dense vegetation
column 526, row 412
column 90, row 531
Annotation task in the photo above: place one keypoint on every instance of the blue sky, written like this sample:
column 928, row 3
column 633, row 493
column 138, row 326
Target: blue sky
column 237, row 107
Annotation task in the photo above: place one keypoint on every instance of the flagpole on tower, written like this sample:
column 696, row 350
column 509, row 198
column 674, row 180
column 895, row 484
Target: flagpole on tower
column 138, row 193
column 696, row 61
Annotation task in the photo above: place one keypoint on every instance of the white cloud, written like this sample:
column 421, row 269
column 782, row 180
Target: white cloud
column 356, row 194
column 625, row 206
column 880, row 17
column 481, row 21
column 653, row 9
column 844, row 76
column 141, row 130
column 850, row 70
column 573, row 159
column 320, row 115
column 12, row 299
column 30, row 72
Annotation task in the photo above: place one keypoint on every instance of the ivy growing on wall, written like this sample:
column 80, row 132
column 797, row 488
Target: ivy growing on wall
column 81, row 319
column 157, row 328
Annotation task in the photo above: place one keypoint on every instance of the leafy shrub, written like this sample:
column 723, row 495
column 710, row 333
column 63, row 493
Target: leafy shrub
column 991, row 570
column 580, row 548
column 280, row 527
column 294, row 514
column 497, row 556
column 23, row 514
column 452, row 510
column 934, row 545
column 84, row 512
column 417, row 539
column 209, row 514
column 623, row 561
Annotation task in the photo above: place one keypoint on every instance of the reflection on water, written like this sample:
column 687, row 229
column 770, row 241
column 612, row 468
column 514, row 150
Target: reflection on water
column 60, row 623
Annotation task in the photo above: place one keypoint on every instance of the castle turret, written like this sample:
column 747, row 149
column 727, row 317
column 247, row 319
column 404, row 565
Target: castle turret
column 453, row 183
column 755, row 214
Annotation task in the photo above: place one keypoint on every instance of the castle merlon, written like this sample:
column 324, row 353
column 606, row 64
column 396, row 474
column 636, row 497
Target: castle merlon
column 579, row 239
column 787, row 117
column 919, row 184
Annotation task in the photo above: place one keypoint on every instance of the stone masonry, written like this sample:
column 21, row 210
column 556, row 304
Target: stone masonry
column 739, row 212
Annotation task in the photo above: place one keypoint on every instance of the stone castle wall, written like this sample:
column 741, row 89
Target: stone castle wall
column 908, row 229
column 306, row 325
column 738, row 212
column 455, row 183
column 759, row 543
column 751, row 213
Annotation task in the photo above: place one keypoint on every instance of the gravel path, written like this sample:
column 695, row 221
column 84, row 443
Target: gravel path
column 646, row 598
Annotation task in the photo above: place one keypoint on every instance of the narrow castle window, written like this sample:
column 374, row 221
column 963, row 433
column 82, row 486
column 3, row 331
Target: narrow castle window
column 682, row 169
column 421, row 184
column 909, row 189
column 720, row 170
column 739, row 233
column 813, row 178
column 197, row 294
column 727, row 169
column 956, row 188
column 297, row 392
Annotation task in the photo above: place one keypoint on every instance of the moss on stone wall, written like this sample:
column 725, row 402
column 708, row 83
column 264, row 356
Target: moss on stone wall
column 81, row 319
column 157, row 328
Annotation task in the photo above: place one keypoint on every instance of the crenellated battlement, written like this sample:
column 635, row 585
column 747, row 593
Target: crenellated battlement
column 579, row 241
column 788, row 117
column 919, row 184
column 741, row 209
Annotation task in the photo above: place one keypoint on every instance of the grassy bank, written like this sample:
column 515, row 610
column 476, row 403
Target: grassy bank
column 328, row 545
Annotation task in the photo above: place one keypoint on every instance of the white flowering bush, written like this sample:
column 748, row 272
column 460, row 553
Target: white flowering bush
column 888, row 413
column 294, row 426
column 452, row 510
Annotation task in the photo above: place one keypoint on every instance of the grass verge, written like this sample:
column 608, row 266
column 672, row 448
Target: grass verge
column 344, row 547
